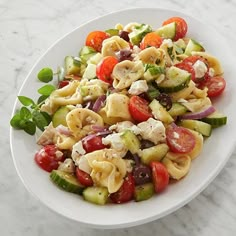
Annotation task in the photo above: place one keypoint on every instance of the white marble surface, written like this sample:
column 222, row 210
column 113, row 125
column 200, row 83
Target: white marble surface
column 27, row 29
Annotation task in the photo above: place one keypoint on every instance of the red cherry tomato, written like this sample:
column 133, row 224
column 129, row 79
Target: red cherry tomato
column 188, row 68
column 216, row 85
column 63, row 83
column 95, row 38
column 181, row 26
column 83, row 177
column 180, row 139
column 139, row 109
column 160, row 176
column 105, row 67
column 92, row 144
column 126, row 191
column 48, row 157
column 151, row 39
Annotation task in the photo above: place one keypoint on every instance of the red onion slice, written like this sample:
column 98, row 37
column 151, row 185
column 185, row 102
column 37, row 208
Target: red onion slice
column 63, row 130
column 99, row 103
column 198, row 115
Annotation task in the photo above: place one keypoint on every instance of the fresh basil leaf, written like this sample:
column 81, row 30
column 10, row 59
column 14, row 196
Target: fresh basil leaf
column 46, row 90
column 46, row 116
column 25, row 113
column 41, row 99
column 30, row 127
column 15, row 121
column 39, row 120
column 26, row 101
column 45, row 75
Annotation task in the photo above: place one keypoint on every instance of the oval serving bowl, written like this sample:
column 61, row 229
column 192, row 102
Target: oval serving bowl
column 217, row 149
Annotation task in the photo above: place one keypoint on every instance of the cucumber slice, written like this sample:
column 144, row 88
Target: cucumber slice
column 155, row 153
column 176, row 79
column 199, row 126
column 215, row 119
column 167, row 31
column 144, row 192
column 86, row 53
column 177, row 109
column 67, row 182
column 131, row 141
column 90, row 72
column 138, row 33
column 73, row 66
column 193, row 46
column 112, row 32
column 59, row 117
column 96, row 195
column 159, row 112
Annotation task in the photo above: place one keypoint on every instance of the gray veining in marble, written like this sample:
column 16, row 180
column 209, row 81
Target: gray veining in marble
column 27, row 29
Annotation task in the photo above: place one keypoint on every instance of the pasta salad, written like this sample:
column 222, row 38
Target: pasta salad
column 128, row 114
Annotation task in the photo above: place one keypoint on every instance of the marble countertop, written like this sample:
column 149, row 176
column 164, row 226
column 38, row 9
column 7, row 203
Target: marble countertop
column 28, row 28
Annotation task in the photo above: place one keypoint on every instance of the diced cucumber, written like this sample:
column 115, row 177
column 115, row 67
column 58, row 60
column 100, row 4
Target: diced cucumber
column 167, row 31
column 155, row 153
column 176, row 79
column 144, row 192
column 177, row 109
column 152, row 92
column 152, row 71
column 193, row 46
column 66, row 181
column 112, row 32
column 90, row 71
column 215, row 119
column 138, row 33
column 199, row 126
column 92, row 92
column 86, row 53
column 59, row 117
column 96, row 195
column 131, row 141
column 73, row 66
column 159, row 112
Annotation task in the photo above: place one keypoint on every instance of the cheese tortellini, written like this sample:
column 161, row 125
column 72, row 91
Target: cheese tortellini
column 126, row 72
column 108, row 168
column 68, row 95
column 79, row 121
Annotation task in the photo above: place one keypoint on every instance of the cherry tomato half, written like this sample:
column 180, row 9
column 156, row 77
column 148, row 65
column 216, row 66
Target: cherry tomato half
column 126, row 191
column 83, row 177
column 192, row 60
column 151, row 39
column 181, row 26
column 105, row 67
column 216, row 85
column 63, row 83
column 92, row 144
column 139, row 109
column 160, row 176
column 180, row 139
column 48, row 157
column 95, row 38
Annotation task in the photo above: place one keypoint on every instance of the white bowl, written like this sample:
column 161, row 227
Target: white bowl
column 217, row 148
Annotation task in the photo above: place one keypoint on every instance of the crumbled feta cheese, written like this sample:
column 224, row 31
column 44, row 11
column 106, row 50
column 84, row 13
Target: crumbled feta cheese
column 138, row 87
column 152, row 130
column 121, row 126
column 211, row 72
column 200, row 68
column 168, row 42
column 77, row 150
column 67, row 166
column 115, row 141
column 176, row 135
column 83, row 164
